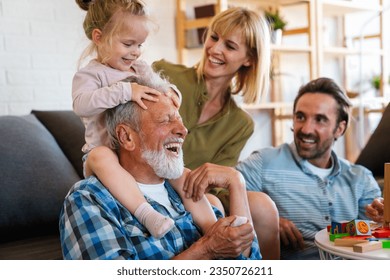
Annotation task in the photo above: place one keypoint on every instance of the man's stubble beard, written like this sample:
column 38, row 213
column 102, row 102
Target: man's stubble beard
column 322, row 147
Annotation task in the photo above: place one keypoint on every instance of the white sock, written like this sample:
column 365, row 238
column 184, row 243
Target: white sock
column 156, row 223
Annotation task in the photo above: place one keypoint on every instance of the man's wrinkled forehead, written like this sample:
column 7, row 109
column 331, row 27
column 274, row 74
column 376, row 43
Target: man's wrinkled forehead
column 164, row 106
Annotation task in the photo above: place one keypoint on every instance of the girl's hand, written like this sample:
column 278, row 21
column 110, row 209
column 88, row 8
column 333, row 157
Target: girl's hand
column 143, row 92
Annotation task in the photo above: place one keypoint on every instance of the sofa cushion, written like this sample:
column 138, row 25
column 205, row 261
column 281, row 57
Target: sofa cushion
column 377, row 150
column 35, row 177
column 68, row 130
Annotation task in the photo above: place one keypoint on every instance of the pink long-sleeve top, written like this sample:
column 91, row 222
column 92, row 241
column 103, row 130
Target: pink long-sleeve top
column 96, row 88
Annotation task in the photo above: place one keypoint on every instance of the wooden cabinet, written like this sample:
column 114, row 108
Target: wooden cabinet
column 340, row 39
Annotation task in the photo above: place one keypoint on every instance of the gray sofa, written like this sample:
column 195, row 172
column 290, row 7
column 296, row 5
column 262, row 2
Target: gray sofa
column 40, row 160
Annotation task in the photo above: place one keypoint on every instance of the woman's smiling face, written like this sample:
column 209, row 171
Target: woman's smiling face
column 225, row 55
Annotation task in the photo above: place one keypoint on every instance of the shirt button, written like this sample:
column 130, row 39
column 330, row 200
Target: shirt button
column 326, row 218
column 330, row 203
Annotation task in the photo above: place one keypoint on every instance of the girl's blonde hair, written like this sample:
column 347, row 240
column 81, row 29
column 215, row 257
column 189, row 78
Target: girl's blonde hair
column 251, row 82
column 109, row 17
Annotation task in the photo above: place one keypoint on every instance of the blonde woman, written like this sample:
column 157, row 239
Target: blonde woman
column 235, row 61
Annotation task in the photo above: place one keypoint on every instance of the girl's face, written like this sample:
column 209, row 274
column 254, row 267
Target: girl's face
column 225, row 55
column 126, row 45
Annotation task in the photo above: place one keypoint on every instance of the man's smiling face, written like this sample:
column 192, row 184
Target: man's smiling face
column 161, row 138
column 316, row 127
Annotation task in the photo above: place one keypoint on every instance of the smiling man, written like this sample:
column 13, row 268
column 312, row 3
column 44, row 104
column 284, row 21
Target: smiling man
column 310, row 185
column 94, row 225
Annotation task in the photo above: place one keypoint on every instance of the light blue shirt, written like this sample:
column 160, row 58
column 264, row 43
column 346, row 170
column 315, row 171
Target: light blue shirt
column 304, row 198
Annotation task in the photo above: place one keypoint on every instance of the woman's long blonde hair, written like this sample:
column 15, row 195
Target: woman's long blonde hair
column 251, row 82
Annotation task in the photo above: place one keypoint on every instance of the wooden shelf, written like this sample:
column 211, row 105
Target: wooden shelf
column 264, row 3
column 340, row 8
column 268, row 106
column 370, row 101
column 349, row 51
column 291, row 49
column 197, row 23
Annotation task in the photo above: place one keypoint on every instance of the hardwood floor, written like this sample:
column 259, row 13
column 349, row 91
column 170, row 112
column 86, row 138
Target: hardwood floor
column 41, row 248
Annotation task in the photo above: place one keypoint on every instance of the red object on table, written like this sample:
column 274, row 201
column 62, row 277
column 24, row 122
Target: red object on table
column 381, row 232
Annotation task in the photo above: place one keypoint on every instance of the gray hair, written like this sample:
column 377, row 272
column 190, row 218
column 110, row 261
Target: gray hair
column 130, row 113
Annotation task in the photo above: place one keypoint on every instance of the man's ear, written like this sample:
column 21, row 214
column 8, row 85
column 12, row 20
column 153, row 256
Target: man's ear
column 125, row 137
column 342, row 127
column 96, row 36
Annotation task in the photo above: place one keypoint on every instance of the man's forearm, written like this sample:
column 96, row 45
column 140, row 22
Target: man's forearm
column 198, row 251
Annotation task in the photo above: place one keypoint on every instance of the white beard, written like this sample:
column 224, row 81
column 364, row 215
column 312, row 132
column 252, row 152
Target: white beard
column 164, row 166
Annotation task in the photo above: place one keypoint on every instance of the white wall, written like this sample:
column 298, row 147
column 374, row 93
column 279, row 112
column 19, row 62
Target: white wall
column 41, row 42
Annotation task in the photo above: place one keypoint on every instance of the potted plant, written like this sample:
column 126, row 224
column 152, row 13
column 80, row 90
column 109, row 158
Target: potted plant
column 277, row 24
column 376, row 81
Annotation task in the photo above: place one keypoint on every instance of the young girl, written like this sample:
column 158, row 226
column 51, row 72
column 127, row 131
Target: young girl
column 117, row 29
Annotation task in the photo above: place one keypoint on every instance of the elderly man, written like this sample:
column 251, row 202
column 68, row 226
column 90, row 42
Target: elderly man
column 310, row 185
column 94, row 225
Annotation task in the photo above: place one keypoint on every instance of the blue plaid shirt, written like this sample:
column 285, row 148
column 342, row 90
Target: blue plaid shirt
column 94, row 225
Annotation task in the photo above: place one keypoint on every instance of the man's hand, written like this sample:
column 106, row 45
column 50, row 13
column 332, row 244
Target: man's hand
column 139, row 92
column 223, row 240
column 209, row 175
column 375, row 210
column 289, row 234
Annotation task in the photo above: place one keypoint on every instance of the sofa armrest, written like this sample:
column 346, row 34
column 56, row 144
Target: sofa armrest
column 35, row 178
